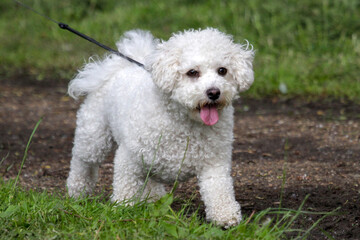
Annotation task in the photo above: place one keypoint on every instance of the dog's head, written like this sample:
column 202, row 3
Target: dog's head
column 203, row 70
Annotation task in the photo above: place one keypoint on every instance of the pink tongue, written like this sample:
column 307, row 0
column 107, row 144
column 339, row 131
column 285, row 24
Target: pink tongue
column 209, row 115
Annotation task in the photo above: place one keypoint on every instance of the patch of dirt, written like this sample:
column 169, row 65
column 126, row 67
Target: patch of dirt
column 317, row 143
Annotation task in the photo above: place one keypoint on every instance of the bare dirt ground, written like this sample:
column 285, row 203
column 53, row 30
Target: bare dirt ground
column 317, row 143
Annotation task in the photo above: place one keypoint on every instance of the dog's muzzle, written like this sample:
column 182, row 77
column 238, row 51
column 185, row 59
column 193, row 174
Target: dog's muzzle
column 209, row 110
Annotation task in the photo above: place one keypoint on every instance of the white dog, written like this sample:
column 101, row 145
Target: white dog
column 173, row 119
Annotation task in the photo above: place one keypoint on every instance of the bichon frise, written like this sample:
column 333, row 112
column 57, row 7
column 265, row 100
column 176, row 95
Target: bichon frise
column 172, row 119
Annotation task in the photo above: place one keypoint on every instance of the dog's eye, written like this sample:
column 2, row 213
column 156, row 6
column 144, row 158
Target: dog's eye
column 193, row 73
column 222, row 71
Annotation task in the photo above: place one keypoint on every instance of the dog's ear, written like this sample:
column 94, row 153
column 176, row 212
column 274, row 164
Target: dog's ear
column 163, row 64
column 242, row 67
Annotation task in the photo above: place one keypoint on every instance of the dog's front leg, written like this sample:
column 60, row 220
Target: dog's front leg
column 130, row 180
column 217, row 192
column 82, row 178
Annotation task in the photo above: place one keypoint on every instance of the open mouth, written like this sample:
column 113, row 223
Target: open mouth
column 209, row 113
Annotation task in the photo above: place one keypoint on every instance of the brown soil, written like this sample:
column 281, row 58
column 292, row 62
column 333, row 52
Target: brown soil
column 316, row 142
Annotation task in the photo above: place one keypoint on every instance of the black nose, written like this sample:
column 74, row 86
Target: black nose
column 213, row 93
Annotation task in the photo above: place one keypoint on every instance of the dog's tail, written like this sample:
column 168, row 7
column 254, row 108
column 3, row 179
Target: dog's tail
column 136, row 44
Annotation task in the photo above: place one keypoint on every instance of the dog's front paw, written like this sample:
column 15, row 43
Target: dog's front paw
column 224, row 215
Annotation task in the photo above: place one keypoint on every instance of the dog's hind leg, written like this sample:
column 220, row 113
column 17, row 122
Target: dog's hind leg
column 91, row 145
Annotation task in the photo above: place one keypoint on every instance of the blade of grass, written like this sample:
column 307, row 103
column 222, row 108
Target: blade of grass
column 4, row 158
column 286, row 148
column 26, row 152
column 182, row 161
column 307, row 232
column 141, row 192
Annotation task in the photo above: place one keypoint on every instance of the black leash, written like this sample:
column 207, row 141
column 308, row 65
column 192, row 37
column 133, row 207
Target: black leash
column 67, row 27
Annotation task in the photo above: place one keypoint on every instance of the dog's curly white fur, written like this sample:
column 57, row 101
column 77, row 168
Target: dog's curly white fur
column 182, row 99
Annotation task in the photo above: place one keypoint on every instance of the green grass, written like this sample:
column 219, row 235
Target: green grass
column 311, row 47
column 40, row 215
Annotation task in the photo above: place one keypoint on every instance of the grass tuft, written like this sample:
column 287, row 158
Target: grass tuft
column 39, row 215
column 26, row 151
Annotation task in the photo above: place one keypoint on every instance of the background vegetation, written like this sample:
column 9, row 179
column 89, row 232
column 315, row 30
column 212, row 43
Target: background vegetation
column 303, row 48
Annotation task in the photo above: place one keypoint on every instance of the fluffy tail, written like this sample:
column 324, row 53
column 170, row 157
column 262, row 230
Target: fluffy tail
column 136, row 44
